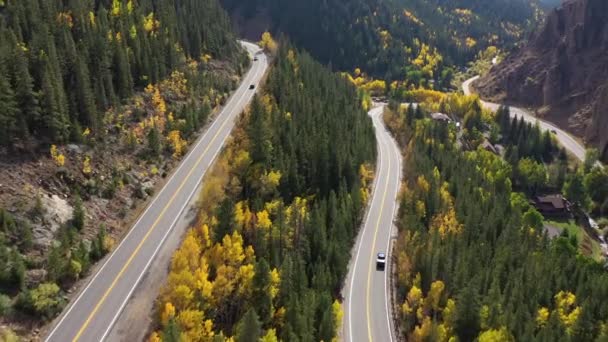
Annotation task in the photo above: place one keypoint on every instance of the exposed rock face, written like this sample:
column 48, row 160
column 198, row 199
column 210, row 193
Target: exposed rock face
column 563, row 70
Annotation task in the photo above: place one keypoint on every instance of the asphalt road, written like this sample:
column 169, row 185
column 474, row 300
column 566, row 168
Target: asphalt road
column 566, row 140
column 92, row 314
column 366, row 291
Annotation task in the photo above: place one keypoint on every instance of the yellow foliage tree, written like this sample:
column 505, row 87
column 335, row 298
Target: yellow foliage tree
column 271, row 336
column 268, row 43
column 167, row 313
column 494, row 335
column 177, row 143
column 58, row 157
column 263, row 220
column 542, row 316
column 446, row 223
column 86, row 165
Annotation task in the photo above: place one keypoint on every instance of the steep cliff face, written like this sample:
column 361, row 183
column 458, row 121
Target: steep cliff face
column 563, row 71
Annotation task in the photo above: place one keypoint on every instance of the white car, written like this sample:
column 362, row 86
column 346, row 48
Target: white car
column 381, row 261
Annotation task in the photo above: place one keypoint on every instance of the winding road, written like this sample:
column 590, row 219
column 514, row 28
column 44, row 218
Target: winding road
column 566, row 140
column 92, row 314
column 366, row 292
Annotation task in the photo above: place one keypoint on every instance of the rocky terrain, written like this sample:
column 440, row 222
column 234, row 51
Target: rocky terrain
column 562, row 71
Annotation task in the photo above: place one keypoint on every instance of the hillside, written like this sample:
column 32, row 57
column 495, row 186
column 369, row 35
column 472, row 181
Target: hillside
column 384, row 38
column 268, row 255
column 563, row 71
column 99, row 101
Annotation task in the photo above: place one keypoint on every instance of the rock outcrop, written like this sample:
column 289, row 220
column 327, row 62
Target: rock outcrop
column 562, row 71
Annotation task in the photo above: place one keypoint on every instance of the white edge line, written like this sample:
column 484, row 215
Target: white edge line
column 171, row 178
column 248, row 96
column 388, row 290
column 360, row 237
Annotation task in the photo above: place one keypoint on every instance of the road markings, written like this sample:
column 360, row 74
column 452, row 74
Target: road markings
column 249, row 95
column 369, row 273
column 196, row 146
column 113, row 284
column 361, row 234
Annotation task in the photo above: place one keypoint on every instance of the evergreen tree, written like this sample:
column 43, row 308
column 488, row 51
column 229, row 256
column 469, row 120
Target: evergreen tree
column 249, row 328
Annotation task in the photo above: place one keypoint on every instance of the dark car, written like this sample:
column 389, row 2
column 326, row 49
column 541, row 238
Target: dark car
column 252, row 86
column 553, row 131
column 255, row 59
column 381, row 261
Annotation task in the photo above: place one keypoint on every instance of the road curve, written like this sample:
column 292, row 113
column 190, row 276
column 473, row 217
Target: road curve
column 566, row 140
column 366, row 291
column 91, row 315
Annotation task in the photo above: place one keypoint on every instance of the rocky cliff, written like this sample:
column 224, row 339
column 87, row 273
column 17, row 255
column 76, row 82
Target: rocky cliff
column 562, row 71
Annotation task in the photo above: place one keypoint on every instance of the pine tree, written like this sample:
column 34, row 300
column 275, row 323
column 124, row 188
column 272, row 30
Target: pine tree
column 260, row 298
column 249, row 328
column 8, row 109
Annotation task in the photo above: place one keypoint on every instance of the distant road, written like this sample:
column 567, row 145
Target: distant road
column 91, row 315
column 565, row 139
column 366, row 292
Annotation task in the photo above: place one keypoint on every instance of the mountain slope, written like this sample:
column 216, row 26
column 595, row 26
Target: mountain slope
column 564, row 70
column 383, row 37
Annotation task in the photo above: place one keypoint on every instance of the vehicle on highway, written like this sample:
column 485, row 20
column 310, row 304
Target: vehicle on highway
column 381, row 261
column 252, row 86
column 553, row 131
column 255, row 59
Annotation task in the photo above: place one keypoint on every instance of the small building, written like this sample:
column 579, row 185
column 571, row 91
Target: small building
column 440, row 117
column 552, row 206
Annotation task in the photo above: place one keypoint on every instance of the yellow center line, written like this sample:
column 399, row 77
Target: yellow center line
column 369, row 273
column 150, row 230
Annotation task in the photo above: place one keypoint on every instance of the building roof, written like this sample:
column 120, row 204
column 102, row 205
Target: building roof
column 556, row 201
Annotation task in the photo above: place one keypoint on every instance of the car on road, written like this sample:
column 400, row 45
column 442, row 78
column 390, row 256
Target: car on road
column 255, row 59
column 252, row 86
column 553, row 131
column 381, row 261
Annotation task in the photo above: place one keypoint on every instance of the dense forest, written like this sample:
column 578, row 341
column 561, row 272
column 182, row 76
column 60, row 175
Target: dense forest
column 279, row 214
column 395, row 39
column 64, row 62
column 473, row 258
column 99, row 100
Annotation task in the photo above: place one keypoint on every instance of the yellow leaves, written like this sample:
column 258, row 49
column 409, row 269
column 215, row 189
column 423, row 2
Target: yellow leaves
column 567, row 310
column 65, row 18
column 167, row 314
column 414, row 296
column 270, row 181
column 375, row 87
column 177, row 143
column 423, row 184
column 423, row 332
column 86, row 165
column 268, row 43
column 58, row 157
column 206, row 58
column 385, row 38
column 446, row 223
column 195, row 327
column 154, row 337
column 242, row 215
column 130, row 6
column 494, row 335
column 426, row 95
column 470, row 42
column 150, row 23
column 411, row 17
column 244, row 278
column 263, row 220
column 542, row 316
column 133, row 32
column 157, row 100
column 116, row 8
column 357, row 72
column 434, row 295
column 338, row 313
column 291, row 57
column 420, row 209
column 271, row 336
column 275, row 281
column 366, row 174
